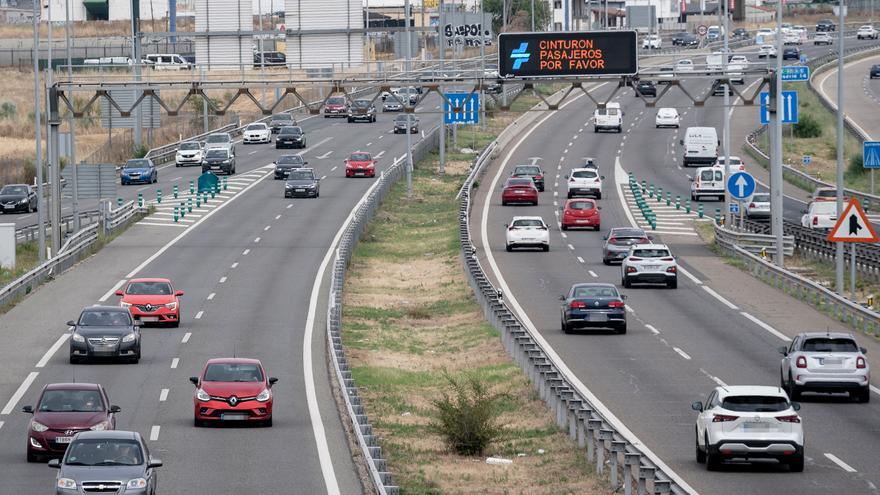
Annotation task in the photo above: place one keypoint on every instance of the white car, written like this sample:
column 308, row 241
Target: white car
column 825, row 362
column 820, row 215
column 387, row 94
column 823, row 39
column 189, row 153
column 256, row 133
column 651, row 264
column 708, row 181
column 767, row 51
column 584, row 182
column 527, row 232
column 665, row 74
column 749, row 422
column 652, row 41
column 758, row 206
column 866, row 32
column 791, row 38
column 667, row 117
column 392, row 105
column 685, row 65
column 735, row 66
column 736, row 164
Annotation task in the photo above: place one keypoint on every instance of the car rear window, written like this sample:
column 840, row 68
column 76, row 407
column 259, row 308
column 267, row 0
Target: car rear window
column 284, row 116
column 336, row 100
column 360, row 157
column 636, row 233
column 71, row 401
column 233, row 372
column 651, row 253
column 706, row 175
column 754, row 403
column 519, row 182
column 824, row 208
column 149, row 288
column 826, row 193
column 828, row 344
column 526, row 171
column 761, row 198
column 218, row 138
column 607, row 111
column 105, row 318
column 528, row 222
column 595, row 291
column 256, row 127
column 584, row 174
column 581, row 205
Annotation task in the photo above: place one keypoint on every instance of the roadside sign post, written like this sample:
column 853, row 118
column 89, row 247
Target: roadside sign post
column 740, row 187
column 853, row 226
column 871, row 158
column 788, row 106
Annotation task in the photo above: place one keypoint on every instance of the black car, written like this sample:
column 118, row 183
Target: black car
column 105, row 331
column 269, row 59
column 106, row 461
column 593, row 305
column 361, row 110
column 18, row 197
column 740, row 34
column 689, row 40
column 677, row 38
column 219, row 160
column 875, row 72
column 646, row 88
column 302, row 182
column 400, row 124
column 534, row 172
column 791, row 53
column 290, row 137
column 825, row 25
column 718, row 88
column 286, row 163
column 280, row 120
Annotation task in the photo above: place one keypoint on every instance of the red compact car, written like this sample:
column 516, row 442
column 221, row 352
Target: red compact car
column 580, row 213
column 360, row 164
column 63, row 410
column 233, row 390
column 152, row 300
column 519, row 190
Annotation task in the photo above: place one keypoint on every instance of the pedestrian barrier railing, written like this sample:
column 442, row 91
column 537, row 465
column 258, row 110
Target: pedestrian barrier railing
column 353, row 228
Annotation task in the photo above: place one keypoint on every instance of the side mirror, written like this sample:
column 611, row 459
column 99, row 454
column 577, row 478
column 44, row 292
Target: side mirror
column 796, row 406
column 194, row 380
column 120, row 293
column 178, row 293
column 697, row 406
column 602, row 177
column 28, row 409
column 681, row 142
column 562, row 298
column 623, row 297
column 650, row 238
column 154, row 463
column 115, row 409
column 305, row 162
column 782, row 350
column 566, row 176
column 55, row 464
column 272, row 380
column 605, row 237
column 805, row 211
column 690, row 178
column 599, row 208
column 864, row 351
column 274, row 163
column 507, row 225
column 71, row 323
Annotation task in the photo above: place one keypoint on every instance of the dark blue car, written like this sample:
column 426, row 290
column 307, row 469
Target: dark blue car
column 138, row 171
column 592, row 305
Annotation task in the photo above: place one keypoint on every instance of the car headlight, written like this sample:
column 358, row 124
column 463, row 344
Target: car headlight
column 66, row 483
column 202, row 395
column 130, row 337
column 288, row 185
column 22, row 201
column 103, row 425
column 77, row 337
column 136, row 483
column 124, row 304
column 264, row 395
column 172, row 306
column 38, row 427
column 226, row 161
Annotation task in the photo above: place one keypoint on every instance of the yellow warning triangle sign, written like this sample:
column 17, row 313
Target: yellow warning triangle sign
column 853, row 225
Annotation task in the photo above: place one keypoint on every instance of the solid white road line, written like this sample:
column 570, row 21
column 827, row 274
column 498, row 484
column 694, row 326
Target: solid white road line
column 52, row 350
column 186, row 337
column 211, row 295
column 875, row 389
column 719, row 381
column 652, row 329
column 112, row 290
column 174, row 363
column 1, row 424
column 379, row 154
column 681, row 353
column 154, row 433
column 222, row 280
column 13, row 401
column 719, row 297
column 756, row 321
column 836, row 460
column 198, row 315
column 163, row 395
column 689, row 275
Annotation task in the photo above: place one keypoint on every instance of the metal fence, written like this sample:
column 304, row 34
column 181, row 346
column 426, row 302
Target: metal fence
column 29, row 233
column 754, row 240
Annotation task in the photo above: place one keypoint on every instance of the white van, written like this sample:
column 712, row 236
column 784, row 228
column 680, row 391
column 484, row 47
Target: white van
column 708, row 181
column 700, row 145
column 821, row 215
column 610, row 117
column 166, row 61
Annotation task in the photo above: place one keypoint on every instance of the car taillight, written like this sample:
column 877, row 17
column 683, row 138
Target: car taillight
column 860, row 363
column 801, row 362
column 577, row 305
column 571, row 179
column 815, row 220
column 671, row 269
column 511, row 228
column 666, row 259
column 793, row 418
column 616, row 304
column 751, row 205
column 722, row 418
column 630, row 269
column 539, row 177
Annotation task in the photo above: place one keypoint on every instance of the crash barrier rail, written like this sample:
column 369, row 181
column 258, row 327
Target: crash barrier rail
column 357, row 223
column 609, row 444
column 753, row 242
column 30, row 233
column 855, row 315
column 120, row 217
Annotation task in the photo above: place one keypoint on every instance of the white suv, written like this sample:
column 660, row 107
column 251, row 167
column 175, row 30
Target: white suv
column 825, row 362
column 528, row 232
column 584, row 182
column 651, row 41
column 649, row 263
column 749, row 422
column 867, row 32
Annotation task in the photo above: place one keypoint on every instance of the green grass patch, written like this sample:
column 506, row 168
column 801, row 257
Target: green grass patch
column 27, row 257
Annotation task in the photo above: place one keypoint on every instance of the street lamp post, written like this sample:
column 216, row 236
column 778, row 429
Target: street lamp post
column 41, row 230
column 839, row 252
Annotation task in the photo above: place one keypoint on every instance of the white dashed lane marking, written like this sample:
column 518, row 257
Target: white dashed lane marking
column 163, row 395
column 154, row 433
column 174, row 363
column 186, row 337
column 198, row 315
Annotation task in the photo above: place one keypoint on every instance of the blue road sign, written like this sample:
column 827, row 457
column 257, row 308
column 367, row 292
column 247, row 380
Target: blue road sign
column 807, row 159
column 469, row 108
column 795, row 73
column 803, row 59
column 871, row 154
column 733, row 207
column 740, row 185
column 788, row 107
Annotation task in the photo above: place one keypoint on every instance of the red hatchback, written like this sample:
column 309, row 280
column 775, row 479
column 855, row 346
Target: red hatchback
column 233, row 390
column 519, row 190
column 152, row 300
column 360, row 164
column 63, row 410
column 580, row 213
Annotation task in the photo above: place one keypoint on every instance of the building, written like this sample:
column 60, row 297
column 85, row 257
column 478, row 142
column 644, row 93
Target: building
column 102, row 10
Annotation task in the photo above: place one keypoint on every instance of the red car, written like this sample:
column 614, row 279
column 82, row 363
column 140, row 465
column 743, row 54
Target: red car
column 63, row 410
column 579, row 213
column 335, row 107
column 360, row 164
column 152, row 300
column 519, row 190
column 233, row 389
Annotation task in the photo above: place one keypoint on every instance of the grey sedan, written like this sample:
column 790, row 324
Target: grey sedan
column 618, row 241
column 105, row 332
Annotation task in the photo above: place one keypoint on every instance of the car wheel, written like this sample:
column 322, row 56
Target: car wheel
column 569, row 195
column 626, row 282
column 796, row 465
column 74, row 359
column 672, row 284
column 794, row 392
column 564, row 227
column 198, row 423
column 597, row 227
column 621, row 329
column 863, row 395
column 268, row 423
column 175, row 323
column 712, row 460
column 599, row 196
column 605, row 261
column 565, row 328
column 595, row 129
column 546, row 247
column 701, row 456
column 508, row 248
column 33, row 457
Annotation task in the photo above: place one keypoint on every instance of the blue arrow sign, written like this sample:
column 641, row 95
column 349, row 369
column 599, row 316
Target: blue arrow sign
column 740, row 185
column 803, row 59
column 733, row 207
column 795, row 73
column 871, row 154
column 788, row 107
column 469, row 108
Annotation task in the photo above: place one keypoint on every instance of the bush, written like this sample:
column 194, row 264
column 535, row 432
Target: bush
column 855, row 167
column 141, row 151
column 468, row 417
column 7, row 110
column 807, row 127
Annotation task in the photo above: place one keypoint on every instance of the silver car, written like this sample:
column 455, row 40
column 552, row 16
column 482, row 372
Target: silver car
column 617, row 243
column 759, row 206
column 825, row 362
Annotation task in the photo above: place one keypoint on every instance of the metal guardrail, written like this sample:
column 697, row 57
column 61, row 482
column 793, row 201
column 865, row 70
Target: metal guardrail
column 29, row 233
column 753, row 242
column 842, row 309
column 164, row 154
column 363, row 213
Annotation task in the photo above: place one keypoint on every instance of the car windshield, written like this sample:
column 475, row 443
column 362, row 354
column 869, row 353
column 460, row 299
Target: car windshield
column 190, row 146
column 137, row 164
column 754, row 403
column 282, row 116
column 290, row 160
column 581, row 205
column 105, row 318
column 733, row 161
column 104, row 452
column 216, row 153
column 14, row 190
column 218, row 138
column 607, row 111
column 528, row 222
column 296, row 131
column 256, row 127
column 402, row 118
column 829, row 344
column 361, row 103
column 527, row 171
column 359, row 157
column 595, row 291
column 232, row 372
column 584, row 174
column 71, row 401
column 301, row 175
column 336, row 100
column 519, row 182
column 149, row 288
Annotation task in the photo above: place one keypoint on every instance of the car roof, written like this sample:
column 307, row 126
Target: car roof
column 72, row 386
column 527, row 218
column 108, row 434
column 233, row 360
column 634, row 230
column 593, row 284
column 115, row 309
column 361, row 152
column 833, row 335
column 730, row 390
column 650, row 246
column 582, row 169
column 149, row 280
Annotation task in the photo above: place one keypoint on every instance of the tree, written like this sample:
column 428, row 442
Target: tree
column 519, row 10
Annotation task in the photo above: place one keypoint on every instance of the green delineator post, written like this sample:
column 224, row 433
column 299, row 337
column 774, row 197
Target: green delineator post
column 718, row 215
column 687, row 206
column 189, row 204
column 175, row 191
column 677, row 202
column 700, row 210
column 159, row 196
column 176, row 215
column 192, row 187
column 651, row 191
column 668, row 198
column 225, row 183
column 199, row 201
column 140, row 200
column 119, row 202
column 182, row 209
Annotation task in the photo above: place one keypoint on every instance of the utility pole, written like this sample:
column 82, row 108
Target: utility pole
column 409, row 160
column 725, row 131
column 54, row 164
column 71, row 124
column 136, row 65
column 533, row 14
column 839, row 255
column 775, row 107
column 262, row 50
column 38, row 127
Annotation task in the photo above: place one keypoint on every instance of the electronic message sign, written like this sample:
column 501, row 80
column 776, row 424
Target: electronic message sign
column 596, row 53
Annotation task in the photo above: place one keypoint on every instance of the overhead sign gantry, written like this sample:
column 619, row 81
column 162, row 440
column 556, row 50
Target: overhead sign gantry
column 591, row 53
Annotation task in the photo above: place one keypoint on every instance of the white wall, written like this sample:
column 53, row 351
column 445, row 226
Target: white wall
column 324, row 50
column 224, row 52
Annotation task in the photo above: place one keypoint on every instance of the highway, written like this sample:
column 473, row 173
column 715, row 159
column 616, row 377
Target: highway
column 719, row 327
column 861, row 93
column 248, row 265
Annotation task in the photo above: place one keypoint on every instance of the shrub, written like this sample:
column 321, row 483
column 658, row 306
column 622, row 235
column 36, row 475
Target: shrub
column 467, row 417
column 140, row 151
column 855, row 167
column 807, row 127
column 7, row 110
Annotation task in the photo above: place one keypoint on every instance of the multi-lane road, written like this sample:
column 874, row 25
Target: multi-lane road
column 861, row 93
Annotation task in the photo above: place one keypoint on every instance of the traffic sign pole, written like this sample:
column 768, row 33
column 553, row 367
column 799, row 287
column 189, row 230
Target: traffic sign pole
column 839, row 254
column 775, row 120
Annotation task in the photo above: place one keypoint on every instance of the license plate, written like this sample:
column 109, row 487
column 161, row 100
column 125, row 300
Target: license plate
column 149, row 318
column 651, row 268
column 300, row 190
column 233, row 417
column 359, row 173
column 598, row 317
column 582, row 221
column 756, row 427
column 8, row 207
column 215, row 167
column 520, row 192
column 63, row 439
